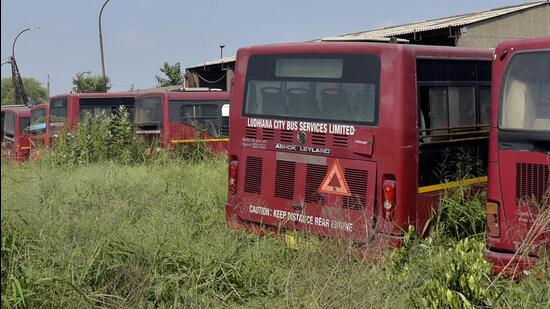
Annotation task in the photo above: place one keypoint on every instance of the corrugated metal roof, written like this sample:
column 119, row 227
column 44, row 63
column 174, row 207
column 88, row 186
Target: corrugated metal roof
column 434, row 24
column 213, row 62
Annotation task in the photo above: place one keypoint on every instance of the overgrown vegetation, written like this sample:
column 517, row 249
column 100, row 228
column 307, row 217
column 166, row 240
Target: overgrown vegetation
column 99, row 138
column 105, row 220
column 154, row 235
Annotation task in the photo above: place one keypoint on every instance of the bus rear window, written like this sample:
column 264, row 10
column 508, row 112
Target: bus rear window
column 58, row 110
column 525, row 96
column 332, row 88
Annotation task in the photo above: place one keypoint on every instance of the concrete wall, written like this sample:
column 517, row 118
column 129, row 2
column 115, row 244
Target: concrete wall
column 530, row 23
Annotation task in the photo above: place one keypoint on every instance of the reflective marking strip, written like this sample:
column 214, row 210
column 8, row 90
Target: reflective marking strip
column 179, row 141
column 452, row 184
column 301, row 158
column 25, row 147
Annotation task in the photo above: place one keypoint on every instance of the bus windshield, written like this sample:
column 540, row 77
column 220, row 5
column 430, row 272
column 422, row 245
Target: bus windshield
column 24, row 123
column 525, row 95
column 38, row 120
column 148, row 111
column 58, row 110
column 332, row 88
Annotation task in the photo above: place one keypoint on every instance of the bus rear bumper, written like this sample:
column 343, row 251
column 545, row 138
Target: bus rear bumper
column 509, row 264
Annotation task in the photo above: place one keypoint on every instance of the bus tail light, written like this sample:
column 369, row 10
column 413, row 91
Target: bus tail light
column 493, row 226
column 389, row 198
column 233, row 172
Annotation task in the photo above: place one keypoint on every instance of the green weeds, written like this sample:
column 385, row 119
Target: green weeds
column 154, row 235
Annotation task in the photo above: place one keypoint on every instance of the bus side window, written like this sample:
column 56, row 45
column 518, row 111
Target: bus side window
column 484, row 104
column 86, row 112
column 187, row 113
column 210, row 122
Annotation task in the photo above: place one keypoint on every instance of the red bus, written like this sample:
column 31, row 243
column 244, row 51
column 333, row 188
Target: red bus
column 68, row 109
column 38, row 129
column 181, row 117
column 15, row 140
column 346, row 139
column 519, row 157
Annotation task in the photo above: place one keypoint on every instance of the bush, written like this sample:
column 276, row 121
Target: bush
column 99, row 138
column 461, row 213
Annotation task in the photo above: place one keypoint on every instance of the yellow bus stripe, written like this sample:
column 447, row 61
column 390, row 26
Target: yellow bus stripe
column 179, row 141
column 452, row 184
column 25, row 147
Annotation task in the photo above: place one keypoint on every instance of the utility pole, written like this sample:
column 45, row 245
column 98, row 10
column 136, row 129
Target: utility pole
column 101, row 47
column 48, row 86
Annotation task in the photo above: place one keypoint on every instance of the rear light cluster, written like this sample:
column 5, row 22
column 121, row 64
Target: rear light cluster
column 493, row 226
column 233, row 173
column 389, row 198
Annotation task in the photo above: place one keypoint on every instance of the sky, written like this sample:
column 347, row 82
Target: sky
column 140, row 35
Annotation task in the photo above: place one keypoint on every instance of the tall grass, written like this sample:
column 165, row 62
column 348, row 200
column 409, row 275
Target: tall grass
column 154, row 235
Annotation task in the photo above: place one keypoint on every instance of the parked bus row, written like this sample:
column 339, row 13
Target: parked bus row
column 357, row 140
column 169, row 118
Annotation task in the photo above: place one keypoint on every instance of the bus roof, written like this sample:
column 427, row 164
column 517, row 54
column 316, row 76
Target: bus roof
column 356, row 47
column 525, row 44
column 19, row 110
column 41, row 105
column 189, row 95
column 98, row 95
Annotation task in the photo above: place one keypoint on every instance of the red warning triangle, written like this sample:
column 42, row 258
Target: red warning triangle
column 334, row 182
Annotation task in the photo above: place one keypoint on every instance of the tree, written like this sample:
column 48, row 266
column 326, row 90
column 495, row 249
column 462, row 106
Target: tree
column 35, row 91
column 85, row 82
column 173, row 75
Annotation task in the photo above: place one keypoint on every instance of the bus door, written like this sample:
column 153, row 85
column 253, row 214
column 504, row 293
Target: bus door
column 453, row 117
